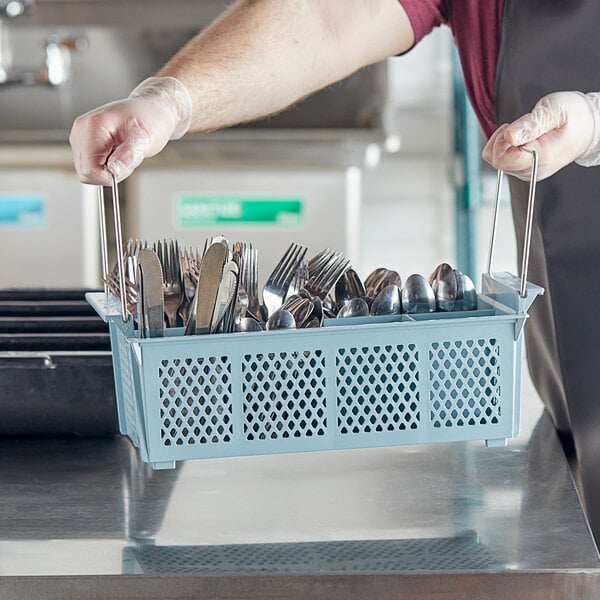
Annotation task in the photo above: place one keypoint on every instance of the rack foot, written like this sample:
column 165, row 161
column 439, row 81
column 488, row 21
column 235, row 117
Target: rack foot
column 496, row 443
column 167, row 464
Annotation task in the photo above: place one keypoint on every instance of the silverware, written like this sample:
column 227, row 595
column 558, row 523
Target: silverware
column 226, row 296
column 300, row 308
column 356, row 307
column 324, row 271
column 348, row 286
column 380, row 279
column 150, row 299
column 444, row 285
column 387, row 302
column 190, row 268
column 112, row 283
column 280, row 319
column 280, row 281
column 417, row 295
column 168, row 254
column 466, row 295
column 209, row 278
column 248, row 324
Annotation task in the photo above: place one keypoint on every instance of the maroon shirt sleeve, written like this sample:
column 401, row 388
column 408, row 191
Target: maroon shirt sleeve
column 476, row 26
column 424, row 15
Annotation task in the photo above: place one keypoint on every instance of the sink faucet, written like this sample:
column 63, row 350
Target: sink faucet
column 56, row 68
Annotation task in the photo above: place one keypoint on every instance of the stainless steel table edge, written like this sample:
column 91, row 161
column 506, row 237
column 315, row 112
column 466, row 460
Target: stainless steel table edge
column 526, row 585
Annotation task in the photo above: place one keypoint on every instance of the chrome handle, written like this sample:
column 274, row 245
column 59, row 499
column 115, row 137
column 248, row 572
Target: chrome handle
column 118, row 239
column 528, row 223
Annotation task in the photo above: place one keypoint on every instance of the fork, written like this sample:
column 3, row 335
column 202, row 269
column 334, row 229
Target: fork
column 190, row 259
column 248, row 258
column 168, row 254
column 112, row 280
column 281, row 279
column 324, row 271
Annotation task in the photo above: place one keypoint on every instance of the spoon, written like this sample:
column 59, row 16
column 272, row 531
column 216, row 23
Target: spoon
column 445, row 287
column 381, row 278
column 248, row 324
column 417, row 295
column 373, row 278
column 466, row 294
column 317, row 310
column 348, row 286
column 387, row 302
column 300, row 308
column 356, row 307
column 280, row 319
column 311, row 323
column 438, row 273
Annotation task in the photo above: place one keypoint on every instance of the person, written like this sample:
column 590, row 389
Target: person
column 530, row 66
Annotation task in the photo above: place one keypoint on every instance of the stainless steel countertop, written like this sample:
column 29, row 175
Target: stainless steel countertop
column 86, row 518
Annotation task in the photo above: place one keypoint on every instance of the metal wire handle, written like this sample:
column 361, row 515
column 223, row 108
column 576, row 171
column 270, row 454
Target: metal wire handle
column 528, row 224
column 103, row 242
column 118, row 239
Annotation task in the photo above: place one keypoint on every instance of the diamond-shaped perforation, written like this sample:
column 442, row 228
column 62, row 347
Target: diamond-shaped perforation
column 462, row 553
column 377, row 389
column 465, row 383
column 195, row 400
column 284, row 395
column 128, row 390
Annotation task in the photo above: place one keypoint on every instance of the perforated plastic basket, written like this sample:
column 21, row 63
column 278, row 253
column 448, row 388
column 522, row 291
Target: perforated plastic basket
column 363, row 382
column 353, row 383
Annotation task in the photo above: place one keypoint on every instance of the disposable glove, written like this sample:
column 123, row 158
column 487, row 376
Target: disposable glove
column 122, row 134
column 563, row 127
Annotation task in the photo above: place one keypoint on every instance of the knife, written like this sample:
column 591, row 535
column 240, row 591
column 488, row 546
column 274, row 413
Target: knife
column 225, row 297
column 150, row 294
column 205, row 298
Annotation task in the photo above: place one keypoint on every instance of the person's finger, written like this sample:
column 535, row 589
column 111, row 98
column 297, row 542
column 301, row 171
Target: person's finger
column 488, row 151
column 545, row 117
column 91, row 143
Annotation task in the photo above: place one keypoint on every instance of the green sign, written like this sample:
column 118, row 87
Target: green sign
column 195, row 210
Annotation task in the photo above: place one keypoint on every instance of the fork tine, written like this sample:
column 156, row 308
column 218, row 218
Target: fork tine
column 293, row 270
column 328, row 270
column 282, row 264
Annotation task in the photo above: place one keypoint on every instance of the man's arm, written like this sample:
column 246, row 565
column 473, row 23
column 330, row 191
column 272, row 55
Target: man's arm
column 259, row 57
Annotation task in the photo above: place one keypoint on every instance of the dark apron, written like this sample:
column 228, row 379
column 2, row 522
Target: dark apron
column 549, row 46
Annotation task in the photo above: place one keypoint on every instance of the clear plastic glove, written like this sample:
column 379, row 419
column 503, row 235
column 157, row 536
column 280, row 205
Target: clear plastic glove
column 563, row 127
column 122, row 134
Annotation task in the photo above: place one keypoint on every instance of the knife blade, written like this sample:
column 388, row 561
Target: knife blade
column 225, row 296
column 209, row 279
column 151, row 289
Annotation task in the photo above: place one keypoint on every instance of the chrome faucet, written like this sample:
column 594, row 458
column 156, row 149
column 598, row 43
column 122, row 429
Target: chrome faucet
column 56, row 67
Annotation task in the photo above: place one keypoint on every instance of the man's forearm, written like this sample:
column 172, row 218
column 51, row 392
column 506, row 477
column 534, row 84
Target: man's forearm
column 263, row 55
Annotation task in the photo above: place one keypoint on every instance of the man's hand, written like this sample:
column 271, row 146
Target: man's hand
column 563, row 127
column 121, row 134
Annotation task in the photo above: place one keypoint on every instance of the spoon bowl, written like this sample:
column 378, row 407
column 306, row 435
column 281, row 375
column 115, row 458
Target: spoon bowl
column 248, row 324
column 280, row 319
column 466, row 294
column 387, row 302
column 356, row 307
column 417, row 295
